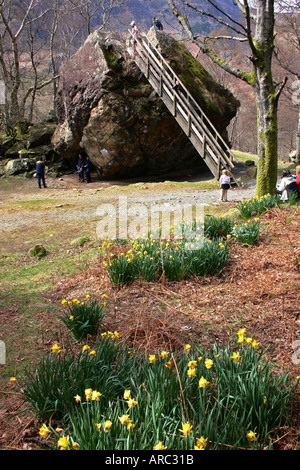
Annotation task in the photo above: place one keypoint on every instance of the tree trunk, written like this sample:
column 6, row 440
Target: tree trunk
column 267, row 148
column 266, row 99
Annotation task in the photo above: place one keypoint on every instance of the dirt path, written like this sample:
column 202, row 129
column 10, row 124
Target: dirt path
column 65, row 199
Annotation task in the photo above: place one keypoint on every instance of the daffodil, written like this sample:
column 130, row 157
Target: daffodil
column 131, row 402
column 191, row 372
column 127, row 395
column 77, row 398
column 201, row 443
column 63, row 443
column 152, row 358
column 55, row 348
column 159, row 446
column 186, row 429
column 203, row 382
column 95, row 395
column 208, row 363
column 192, row 364
column 130, row 426
column 98, row 426
column 251, row 436
column 107, row 425
column 235, row 356
column 124, row 419
column 86, row 348
column 164, row 354
column 44, row 431
column 88, row 393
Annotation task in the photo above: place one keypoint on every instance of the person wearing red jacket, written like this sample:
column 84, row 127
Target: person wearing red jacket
column 298, row 176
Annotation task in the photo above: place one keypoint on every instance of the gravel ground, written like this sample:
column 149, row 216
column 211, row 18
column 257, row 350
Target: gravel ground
column 65, row 200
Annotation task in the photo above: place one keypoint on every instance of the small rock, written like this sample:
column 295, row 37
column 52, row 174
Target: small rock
column 37, row 251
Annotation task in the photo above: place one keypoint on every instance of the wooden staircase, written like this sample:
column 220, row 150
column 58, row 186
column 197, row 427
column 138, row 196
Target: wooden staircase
column 188, row 114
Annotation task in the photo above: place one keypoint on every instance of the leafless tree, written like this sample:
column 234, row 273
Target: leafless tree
column 15, row 19
column 95, row 13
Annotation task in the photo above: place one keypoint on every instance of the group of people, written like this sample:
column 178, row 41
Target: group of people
column 136, row 33
column 289, row 184
column 84, row 168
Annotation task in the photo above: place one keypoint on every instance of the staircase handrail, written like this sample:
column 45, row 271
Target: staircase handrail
column 155, row 54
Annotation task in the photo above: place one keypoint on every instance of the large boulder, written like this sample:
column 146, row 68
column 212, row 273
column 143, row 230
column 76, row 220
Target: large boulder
column 107, row 109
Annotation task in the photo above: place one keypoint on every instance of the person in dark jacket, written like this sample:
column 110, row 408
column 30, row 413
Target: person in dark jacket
column 156, row 24
column 87, row 167
column 80, row 168
column 40, row 172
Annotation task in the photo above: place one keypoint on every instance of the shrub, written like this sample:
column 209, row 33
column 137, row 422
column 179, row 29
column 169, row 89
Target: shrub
column 176, row 258
column 246, row 234
column 217, row 227
column 258, row 205
column 83, row 318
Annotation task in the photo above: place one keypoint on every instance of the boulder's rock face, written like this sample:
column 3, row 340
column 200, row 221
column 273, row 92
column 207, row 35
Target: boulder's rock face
column 107, row 108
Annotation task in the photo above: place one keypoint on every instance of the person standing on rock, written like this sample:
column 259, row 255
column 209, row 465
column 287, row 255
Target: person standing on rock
column 40, row 173
column 80, row 169
column 156, row 24
column 87, row 167
column 136, row 35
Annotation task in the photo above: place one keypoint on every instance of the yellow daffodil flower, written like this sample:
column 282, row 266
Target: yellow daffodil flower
column 203, row 382
column 235, row 356
column 55, row 348
column 251, row 436
column 95, row 395
column 44, row 431
column 131, row 402
column 88, row 393
column 186, row 429
column 127, row 395
column 191, row 372
column 152, row 358
column 63, row 443
column 159, row 446
column 201, row 443
column 208, row 363
column 124, row 420
column 98, row 426
column 107, row 425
